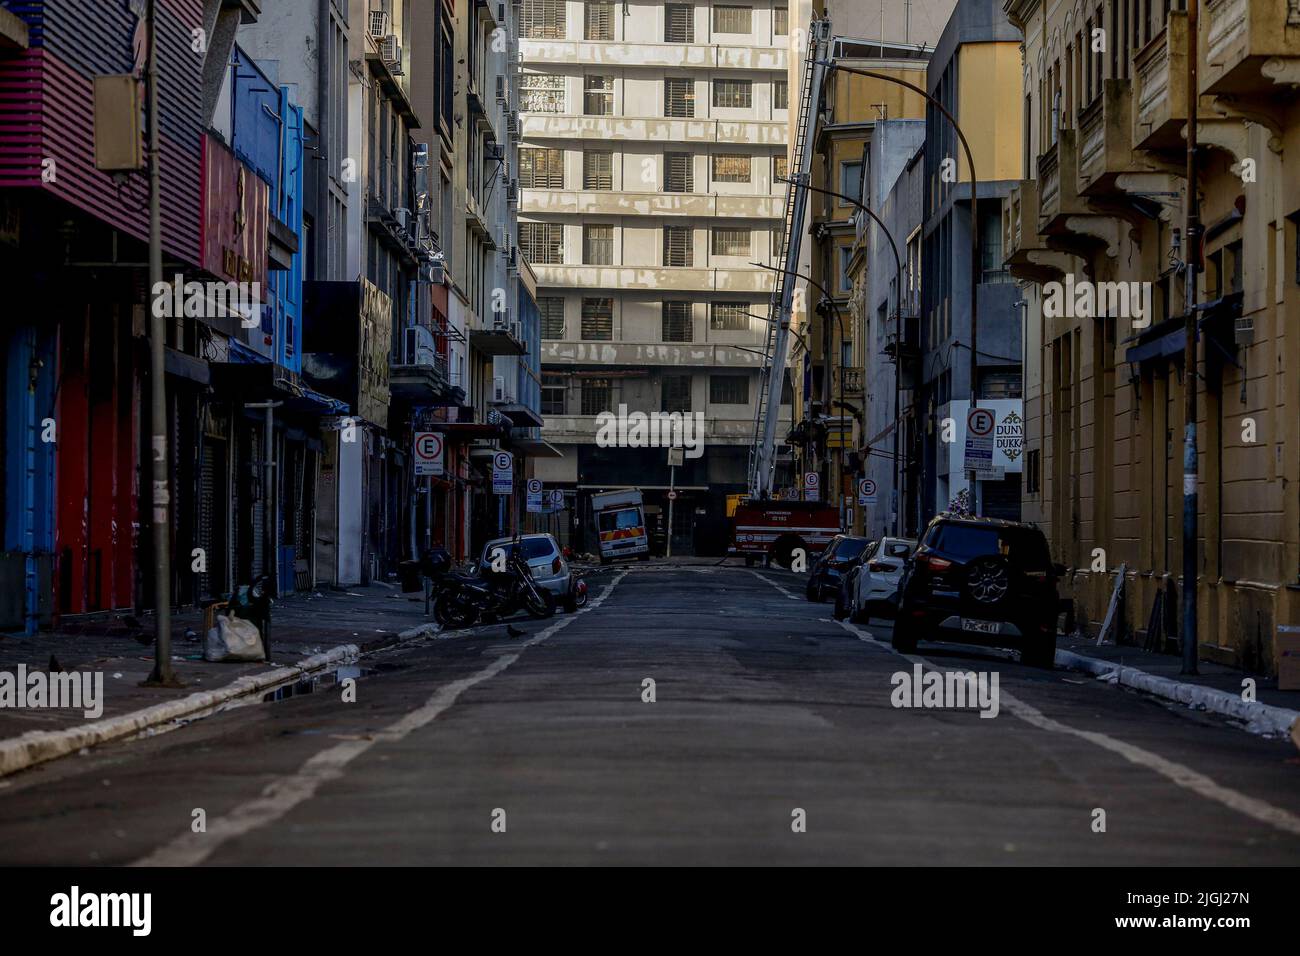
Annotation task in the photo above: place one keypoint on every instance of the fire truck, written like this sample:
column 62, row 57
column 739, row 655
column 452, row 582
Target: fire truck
column 773, row 529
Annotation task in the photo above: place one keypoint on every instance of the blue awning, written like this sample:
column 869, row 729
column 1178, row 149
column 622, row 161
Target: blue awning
column 1171, row 343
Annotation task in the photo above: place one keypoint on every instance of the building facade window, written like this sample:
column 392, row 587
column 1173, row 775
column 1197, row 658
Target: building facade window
column 542, row 19
column 541, row 93
column 679, row 173
column 597, row 395
column 677, row 322
column 598, row 320
column 733, row 94
column 554, row 388
column 598, row 95
column 541, row 168
column 781, row 95
column 551, row 310
column 781, row 21
column 728, row 389
column 730, row 168
column 598, row 245
column 675, row 393
column 729, row 316
column 542, row 242
column 780, row 167
column 728, row 241
column 598, row 20
column 679, row 23
column 597, row 169
column 732, row 19
column 677, row 246
column 851, row 180
column 679, row 96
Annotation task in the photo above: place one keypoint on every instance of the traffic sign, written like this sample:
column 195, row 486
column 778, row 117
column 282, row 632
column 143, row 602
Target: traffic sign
column 867, row 491
column 979, row 440
column 672, row 496
column 428, row 455
column 503, row 473
column 557, row 499
column 812, row 486
column 534, row 494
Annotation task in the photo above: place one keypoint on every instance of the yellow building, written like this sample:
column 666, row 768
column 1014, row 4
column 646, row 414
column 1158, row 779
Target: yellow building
column 1095, row 233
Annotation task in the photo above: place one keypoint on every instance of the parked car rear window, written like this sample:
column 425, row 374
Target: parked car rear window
column 1026, row 548
column 850, row 548
column 533, row 548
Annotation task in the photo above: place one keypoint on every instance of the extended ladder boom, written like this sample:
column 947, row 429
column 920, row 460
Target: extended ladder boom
column 762, row 456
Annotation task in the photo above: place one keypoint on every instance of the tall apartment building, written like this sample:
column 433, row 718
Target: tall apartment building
column 653, row 134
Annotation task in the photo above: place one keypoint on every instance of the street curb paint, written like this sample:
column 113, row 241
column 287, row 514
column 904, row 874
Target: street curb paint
column 1259, row 718
column 40, row 746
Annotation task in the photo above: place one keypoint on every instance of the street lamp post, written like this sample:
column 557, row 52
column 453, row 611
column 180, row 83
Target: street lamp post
column 975, row 264
column 1192, row 239
column 898, row 326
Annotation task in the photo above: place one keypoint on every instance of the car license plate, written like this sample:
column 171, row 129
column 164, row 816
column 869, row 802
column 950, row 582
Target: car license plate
column 982, row 627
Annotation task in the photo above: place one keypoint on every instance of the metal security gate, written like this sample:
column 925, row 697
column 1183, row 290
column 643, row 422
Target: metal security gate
column 214, row 582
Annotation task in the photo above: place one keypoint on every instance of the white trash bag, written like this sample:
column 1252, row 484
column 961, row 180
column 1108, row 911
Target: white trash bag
column 233, row 639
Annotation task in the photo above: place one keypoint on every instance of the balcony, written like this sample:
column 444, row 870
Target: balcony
column 649, row 354
column 1249, row 47
column 654, row 129
column 1026, row 253
column 654, row 278
column 500, row 336
column 1160, row 88
column 1058, row 184
column 604, row 202
column 849, row 382
column 581, row 429
column 419, row 371
column 672, row 55
column 1106, row 140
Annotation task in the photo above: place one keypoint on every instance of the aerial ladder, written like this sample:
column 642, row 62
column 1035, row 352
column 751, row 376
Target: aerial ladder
column 762, row 454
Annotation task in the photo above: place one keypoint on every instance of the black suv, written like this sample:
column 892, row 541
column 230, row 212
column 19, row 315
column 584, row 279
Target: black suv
column 981, row 581
column 841, row 554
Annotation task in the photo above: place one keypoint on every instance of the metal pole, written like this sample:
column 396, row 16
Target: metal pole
column 672, row 488
column 270, row 563
column 1193, row 246
column 975, row 265
column 162, row 570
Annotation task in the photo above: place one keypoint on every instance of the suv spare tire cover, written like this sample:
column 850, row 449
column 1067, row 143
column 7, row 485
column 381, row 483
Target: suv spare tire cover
column 988, row 580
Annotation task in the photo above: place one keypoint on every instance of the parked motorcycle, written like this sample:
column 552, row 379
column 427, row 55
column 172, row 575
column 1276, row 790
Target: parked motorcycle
column 462, row 600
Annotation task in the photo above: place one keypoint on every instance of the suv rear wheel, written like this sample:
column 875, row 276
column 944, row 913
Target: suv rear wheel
column 903, row 638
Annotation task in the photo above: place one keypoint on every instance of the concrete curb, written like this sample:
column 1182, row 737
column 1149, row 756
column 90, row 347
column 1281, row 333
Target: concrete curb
column 1259, row 718
column 39, row 746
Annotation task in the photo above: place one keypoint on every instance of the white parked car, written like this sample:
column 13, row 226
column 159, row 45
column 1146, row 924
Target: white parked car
column 873, row 590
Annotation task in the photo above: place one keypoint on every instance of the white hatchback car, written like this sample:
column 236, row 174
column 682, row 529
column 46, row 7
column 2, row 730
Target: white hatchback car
column 875, row 586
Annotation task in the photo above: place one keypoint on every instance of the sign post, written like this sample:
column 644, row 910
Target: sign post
column 503, row 483
column 867, row 491
column 979, row 444
column 535, row 495
column 675, row 459
column 812, row 484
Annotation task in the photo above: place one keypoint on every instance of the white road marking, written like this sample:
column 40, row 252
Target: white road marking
column 792, row 597
column 282, row 795
column 1180, row 774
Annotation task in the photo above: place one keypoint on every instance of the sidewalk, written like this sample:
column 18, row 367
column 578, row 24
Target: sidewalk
column 303, row 626
column 1216, row 688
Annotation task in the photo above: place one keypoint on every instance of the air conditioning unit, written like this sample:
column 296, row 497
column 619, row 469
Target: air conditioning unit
column 379, row 24
column 512, row 121
column 501, row 14
column 498, row 388
column 403, row 217
column 496, row 152
column 390, row 49
column 501, row 89
column 512, row 192
column 418, row 346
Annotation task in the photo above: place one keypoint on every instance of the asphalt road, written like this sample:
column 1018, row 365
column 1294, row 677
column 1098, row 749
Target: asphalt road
column 482, row 748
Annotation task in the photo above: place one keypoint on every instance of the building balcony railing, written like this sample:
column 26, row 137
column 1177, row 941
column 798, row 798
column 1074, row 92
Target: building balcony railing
column 654, row 278
column 1027, row 255
column 1160, row 87
column 605, row 202
column 1058, row 183
column 851, row 380
column 1105, row 139
column 648, row 354
column 677, row 55
column 654, row 129
column 1249, row 47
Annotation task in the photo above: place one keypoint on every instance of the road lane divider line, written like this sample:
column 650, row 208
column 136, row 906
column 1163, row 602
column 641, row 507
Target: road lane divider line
column 282, row 795
column 1180, row 774
column 792, row 597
